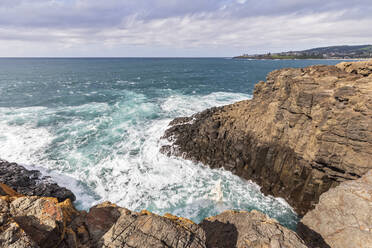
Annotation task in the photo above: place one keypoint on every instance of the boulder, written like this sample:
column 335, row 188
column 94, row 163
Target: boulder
column 305, row 131
column 32, row 221
column 343, row 216
column 145, row 229
column 248, row 229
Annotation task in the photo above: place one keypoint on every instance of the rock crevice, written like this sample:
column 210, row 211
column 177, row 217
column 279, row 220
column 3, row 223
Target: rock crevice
column 32, row 221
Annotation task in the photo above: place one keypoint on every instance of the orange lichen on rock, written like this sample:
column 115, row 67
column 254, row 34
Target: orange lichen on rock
column 5, row 190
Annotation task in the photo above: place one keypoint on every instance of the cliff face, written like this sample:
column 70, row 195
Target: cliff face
column 32, row 221
column 343, row 216
column 305, row 131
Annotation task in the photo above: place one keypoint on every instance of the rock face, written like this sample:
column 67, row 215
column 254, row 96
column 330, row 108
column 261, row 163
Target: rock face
column 343, row 216
column 363, row 68
column 112, row 226
column 248, row 229
column 31, row 221
column 305, row 131
column 31, row 182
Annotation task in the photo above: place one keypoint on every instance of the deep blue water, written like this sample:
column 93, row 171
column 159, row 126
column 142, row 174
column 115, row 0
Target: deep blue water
column 94, row 125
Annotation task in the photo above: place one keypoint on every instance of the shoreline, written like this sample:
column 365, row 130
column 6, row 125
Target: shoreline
column 361, row 59
column 265, row 139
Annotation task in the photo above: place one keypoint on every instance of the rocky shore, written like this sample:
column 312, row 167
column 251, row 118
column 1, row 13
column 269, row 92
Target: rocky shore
column 33, row 221
column 305, row 136
column 31, row 183
column 305, row 131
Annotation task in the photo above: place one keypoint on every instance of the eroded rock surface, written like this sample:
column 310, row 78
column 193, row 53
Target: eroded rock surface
column 31, row 221
column 305, row 131
column 363, row 68
column 31, row 183
column 248, row 229
column 343, row 216
column 112, row 226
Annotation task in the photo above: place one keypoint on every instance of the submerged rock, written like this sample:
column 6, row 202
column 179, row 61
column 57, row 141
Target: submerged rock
column 31, row 183
column 31, row 221
column 248, row 229
column 305, row 131
column 343, row 216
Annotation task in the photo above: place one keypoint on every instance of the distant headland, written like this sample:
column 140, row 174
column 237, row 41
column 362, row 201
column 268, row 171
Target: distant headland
column 331, row 52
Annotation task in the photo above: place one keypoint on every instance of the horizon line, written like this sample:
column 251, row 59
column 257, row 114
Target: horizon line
column 110, row 57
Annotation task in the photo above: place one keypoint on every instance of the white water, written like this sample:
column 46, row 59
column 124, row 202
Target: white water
column 111, row 152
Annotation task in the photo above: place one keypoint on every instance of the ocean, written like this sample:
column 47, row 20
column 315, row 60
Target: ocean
column 95, row 125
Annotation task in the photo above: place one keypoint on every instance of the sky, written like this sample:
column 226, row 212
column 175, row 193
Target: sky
column 175, row 28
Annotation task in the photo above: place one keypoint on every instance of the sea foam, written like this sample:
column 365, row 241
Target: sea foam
column 111, row 152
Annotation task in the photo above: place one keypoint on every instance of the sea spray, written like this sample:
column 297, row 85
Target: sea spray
column 95, row 126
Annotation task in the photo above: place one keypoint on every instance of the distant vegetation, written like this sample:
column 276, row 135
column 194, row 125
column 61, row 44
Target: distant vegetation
column 332, row 52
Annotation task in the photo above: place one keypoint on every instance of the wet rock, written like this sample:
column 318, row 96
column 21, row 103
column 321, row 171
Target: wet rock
column 343, row 216
column 248, row 229
column 31, row 183
column 305, row 131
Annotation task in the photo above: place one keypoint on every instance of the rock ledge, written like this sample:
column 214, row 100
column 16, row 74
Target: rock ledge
column 32, row 221
column 305, row 131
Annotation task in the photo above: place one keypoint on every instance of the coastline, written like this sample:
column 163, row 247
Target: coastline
column 298, row 108
column 336, row 59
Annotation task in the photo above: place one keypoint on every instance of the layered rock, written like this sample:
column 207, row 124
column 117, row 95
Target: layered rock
column 31, row 183
column 31, row 221
column 343, row 216
column 363, row 68
column 112, row 226
column 305, row 131
column 248, row 229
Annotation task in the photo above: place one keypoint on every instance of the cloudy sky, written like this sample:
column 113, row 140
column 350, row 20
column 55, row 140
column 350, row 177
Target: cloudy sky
column 178, row 27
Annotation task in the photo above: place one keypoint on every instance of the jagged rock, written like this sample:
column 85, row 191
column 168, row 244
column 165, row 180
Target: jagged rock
column 363, row 68
column 31, row 183
column 248, row 229
column 12, row 236
column 343, row 216
column 305, row 131
column 149, row 230
column 31, row 221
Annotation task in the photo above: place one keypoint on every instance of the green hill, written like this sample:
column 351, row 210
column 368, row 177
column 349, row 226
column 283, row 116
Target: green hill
column 331, row 52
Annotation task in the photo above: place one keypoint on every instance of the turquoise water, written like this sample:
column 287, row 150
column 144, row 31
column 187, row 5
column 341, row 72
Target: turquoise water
column 94, row 125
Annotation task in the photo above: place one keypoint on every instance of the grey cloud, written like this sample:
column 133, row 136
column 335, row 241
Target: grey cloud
column 245, row 25
column 109, row 13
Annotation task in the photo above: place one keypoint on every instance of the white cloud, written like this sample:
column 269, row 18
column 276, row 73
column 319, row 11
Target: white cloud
column 210, row 29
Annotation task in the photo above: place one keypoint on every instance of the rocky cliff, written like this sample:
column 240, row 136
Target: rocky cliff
column 305, row 131
column 32, row 221
column 343, row 216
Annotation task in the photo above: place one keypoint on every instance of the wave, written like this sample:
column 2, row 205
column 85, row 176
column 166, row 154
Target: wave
column 105, row 151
